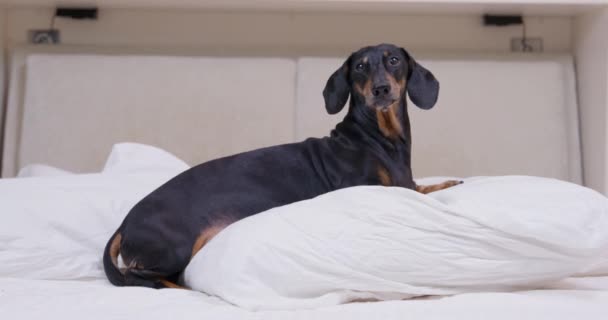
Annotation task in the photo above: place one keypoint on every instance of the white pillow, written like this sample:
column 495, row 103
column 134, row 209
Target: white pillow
column 140, row 158
column 124, row 157
column 55, row 227
column 41, row 170
column 489, row 234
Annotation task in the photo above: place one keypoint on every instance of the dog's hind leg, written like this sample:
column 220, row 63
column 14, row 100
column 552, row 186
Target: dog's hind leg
column 159, row 278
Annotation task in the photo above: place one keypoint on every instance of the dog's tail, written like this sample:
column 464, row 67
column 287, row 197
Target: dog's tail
column 110, row 260
column 129, row 277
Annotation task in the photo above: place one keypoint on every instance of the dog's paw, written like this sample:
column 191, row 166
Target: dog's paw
column 439, row 186
column 452, row 183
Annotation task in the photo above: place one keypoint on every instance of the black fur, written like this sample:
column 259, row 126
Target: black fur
column 158, row 234
column 337, row 89
column 422, row 86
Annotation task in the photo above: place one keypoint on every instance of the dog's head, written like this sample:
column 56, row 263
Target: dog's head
column 377, row 78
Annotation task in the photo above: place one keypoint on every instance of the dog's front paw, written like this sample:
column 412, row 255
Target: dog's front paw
column 452, row 183
column 439, row 186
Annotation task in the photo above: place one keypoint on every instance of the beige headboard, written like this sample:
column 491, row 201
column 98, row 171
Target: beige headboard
column 75, row 107
column 495, row 115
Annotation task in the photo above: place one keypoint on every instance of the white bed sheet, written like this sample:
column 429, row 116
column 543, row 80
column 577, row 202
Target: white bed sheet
column 43, row 299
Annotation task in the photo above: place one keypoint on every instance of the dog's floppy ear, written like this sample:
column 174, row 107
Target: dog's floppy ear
column 422, row 86
column 337, row 89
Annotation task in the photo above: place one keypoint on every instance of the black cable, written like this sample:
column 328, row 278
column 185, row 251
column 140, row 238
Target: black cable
column 525, row 47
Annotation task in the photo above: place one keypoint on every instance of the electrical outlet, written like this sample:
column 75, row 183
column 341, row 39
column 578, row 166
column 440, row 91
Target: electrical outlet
column 47, row 36
column 527, row 45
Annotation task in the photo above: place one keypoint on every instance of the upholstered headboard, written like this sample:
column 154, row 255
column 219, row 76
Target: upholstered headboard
column 76, row 107
column 494, row 116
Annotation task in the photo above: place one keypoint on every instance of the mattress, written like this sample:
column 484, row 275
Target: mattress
column 42, row 299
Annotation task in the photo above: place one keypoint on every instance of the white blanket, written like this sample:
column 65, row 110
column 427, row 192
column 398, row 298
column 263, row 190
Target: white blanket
column 489, row 234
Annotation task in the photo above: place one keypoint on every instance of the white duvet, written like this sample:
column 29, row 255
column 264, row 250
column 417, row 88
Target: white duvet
column 488, row 234
column 55, row 224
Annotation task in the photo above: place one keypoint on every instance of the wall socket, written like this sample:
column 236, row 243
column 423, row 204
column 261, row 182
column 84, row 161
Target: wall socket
column 45, row 36
column 527, row 45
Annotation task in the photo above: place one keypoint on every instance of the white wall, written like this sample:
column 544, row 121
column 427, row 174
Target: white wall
column 3, row 74
column 280, row 33
column 592, row 69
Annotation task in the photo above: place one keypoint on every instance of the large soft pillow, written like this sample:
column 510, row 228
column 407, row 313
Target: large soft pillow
column 489, row 234
column 55, row 226
column 41, row 170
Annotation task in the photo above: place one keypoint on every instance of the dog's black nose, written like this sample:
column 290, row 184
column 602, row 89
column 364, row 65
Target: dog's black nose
column 381, row 90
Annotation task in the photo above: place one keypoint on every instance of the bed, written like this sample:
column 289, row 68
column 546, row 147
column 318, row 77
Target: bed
column 86, row 150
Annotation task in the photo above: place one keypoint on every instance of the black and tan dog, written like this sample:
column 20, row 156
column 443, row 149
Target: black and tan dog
column 371, row 146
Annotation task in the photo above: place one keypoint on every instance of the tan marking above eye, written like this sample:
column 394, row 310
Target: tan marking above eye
column 365, row 59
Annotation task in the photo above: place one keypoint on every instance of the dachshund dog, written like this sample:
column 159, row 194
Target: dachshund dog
column 371, row 146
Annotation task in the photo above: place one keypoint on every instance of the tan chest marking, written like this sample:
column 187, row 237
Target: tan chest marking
column 388, row 122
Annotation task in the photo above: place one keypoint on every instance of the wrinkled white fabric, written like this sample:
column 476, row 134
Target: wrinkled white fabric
column 370, row 242
column 55, row 226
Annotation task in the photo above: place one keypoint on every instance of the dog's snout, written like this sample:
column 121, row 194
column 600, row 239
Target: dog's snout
column 381, row 90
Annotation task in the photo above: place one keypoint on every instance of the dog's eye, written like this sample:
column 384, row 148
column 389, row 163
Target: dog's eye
column 393, row 61
column 360, row 67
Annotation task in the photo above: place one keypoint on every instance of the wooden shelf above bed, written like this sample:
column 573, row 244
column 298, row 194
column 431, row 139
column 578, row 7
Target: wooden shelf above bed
column 530, row 7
